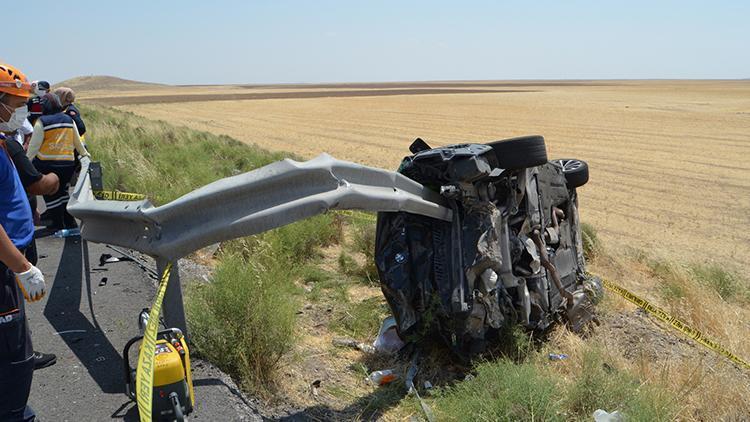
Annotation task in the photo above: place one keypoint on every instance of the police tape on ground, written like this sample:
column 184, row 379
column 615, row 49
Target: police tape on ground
column 145, row 370
column 674, row 322
column 114, row 195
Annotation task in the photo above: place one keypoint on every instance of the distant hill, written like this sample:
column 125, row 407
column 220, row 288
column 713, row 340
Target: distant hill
column 99, row 83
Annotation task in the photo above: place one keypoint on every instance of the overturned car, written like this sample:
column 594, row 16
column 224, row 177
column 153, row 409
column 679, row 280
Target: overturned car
column 512, row 253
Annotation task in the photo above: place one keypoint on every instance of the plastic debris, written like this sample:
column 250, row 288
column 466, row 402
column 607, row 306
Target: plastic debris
column 75, row 232
column 601, row 415
column 354, row 344
column 383, row 377
column 557, row 356
column 388, row 340
column 106, row 258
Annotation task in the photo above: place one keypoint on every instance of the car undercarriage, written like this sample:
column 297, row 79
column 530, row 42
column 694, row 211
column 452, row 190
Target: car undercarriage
column 512, row 253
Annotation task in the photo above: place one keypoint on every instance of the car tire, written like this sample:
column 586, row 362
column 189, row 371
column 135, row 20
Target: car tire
column 521, row 152
column 576, row 171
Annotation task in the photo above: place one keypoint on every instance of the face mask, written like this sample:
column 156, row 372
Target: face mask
column 16, row 120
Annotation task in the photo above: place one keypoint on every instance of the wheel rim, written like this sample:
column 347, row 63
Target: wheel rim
column 570, row 165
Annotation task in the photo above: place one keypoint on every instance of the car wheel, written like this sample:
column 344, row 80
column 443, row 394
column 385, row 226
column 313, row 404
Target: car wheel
column 576, row 171
column 521, row 152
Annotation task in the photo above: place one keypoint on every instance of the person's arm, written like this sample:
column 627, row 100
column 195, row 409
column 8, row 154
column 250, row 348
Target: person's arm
column 76, row 116
column 26, row 171
column 36, row 140
column 79, row 145
column 47, row 185
column 11, row 256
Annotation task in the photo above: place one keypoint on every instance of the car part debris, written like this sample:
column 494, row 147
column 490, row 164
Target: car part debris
column 388, row 340
column 510, row 254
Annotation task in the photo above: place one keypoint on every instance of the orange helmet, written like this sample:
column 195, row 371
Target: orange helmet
column 13, row 82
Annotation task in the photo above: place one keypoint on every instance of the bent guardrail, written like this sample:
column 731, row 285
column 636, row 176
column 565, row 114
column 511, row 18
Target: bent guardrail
column 271, row 196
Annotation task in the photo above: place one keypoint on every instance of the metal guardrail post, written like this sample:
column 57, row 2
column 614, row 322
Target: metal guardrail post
column 174, row 310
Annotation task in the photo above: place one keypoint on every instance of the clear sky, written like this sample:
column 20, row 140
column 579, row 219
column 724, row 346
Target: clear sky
column 184, row 42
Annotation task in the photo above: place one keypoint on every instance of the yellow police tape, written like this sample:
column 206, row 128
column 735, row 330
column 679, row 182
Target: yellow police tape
column 144, row 376
column 674, row 322
column 114, row 195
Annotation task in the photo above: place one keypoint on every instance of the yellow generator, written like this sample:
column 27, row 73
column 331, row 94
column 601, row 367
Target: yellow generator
column 173, row 397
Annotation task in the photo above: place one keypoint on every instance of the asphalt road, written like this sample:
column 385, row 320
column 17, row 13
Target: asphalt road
column 86, row 319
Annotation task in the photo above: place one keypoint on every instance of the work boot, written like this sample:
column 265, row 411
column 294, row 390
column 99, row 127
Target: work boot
column 43, row 360
column 56, row 219
column 69, row 222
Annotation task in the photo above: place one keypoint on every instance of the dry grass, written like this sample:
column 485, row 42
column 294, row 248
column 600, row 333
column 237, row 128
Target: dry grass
column 706, row 385
column 668, row 159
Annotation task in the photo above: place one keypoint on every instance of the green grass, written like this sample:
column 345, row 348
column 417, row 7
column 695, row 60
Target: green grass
column 591, row 243
column 677, row 279
column 161, row 160
column 726, row 283
column 500, row 391
column 364, row 243
column 361, row 320
column 362, row 228
column 505, row 390
column 600, row 386
column 243, row 321
column 673, row 283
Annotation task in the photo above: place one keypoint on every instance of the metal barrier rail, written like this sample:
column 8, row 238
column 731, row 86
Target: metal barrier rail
column 272, row 196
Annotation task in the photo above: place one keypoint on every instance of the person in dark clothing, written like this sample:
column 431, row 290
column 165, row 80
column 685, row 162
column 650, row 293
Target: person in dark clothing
column 67, row 97
column 34, row 182
column 35, row 102
column 52, row 149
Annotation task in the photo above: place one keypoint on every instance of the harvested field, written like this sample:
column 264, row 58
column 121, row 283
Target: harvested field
column 669, row 159
column 235, row 96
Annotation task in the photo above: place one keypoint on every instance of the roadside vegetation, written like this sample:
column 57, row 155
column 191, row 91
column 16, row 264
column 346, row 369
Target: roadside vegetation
column 277, row 301
column 162, row 160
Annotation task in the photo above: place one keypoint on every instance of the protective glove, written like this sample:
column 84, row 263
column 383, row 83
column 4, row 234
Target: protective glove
column 32, row 284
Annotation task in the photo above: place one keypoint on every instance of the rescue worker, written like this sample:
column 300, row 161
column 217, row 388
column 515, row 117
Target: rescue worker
column 52, row 147
column 39, row 88
column 19, row 279
column 67, row 97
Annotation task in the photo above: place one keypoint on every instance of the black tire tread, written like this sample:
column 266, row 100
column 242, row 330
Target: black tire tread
column 521, row 152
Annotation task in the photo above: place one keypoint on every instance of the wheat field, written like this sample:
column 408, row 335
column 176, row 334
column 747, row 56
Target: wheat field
column 669, row 160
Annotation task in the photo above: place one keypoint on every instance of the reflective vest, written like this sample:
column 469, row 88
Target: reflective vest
column 59, row 138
